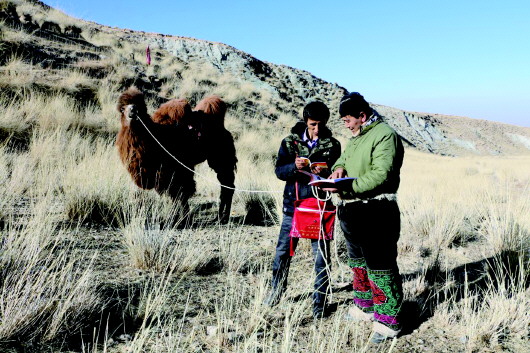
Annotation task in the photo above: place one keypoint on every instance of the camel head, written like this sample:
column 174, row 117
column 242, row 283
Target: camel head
column 131, row 105
column 129, row 112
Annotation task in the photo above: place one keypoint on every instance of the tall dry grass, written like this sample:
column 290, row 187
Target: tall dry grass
column 73, row 223
column 47, row 288
column 456, row 211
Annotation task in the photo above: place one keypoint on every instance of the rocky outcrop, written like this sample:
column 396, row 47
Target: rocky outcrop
column 427, row 132
column 289, row 88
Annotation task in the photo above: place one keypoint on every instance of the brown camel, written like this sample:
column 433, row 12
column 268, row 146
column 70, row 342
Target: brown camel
column 191, row 136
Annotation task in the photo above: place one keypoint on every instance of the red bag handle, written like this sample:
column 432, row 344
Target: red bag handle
column 291, row 250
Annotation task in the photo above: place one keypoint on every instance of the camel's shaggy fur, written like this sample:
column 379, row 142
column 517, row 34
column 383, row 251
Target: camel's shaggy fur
column 175, row 111
column 132, row 140
column 190, row 136
column 214, row 108
column 217, row 146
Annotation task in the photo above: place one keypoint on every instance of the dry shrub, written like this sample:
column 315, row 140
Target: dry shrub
column 74, row 79
column 48, row 112
column 260, row 194
column 503, row 227
column 47, row 293
column 494, row 316
column 96, row 187
column 151, row 234
column 158, row 243
column 17, row 72
column 167, row 250
column 13, row 123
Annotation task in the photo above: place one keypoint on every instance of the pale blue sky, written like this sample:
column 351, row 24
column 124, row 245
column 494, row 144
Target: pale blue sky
column 467, row 58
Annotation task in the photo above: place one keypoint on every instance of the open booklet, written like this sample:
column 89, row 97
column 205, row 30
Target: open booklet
column 312, row 165
column 322, row 182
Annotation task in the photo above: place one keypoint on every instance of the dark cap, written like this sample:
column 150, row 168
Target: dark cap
column 316, row 110
column 353, row 104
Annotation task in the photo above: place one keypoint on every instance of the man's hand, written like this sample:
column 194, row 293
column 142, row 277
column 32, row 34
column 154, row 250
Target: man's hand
column 301, row 162
column 338, row 173
column 316, row 170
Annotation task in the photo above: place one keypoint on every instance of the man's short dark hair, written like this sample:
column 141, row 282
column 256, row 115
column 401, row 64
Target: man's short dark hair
column 316, row 110
column 353, row 104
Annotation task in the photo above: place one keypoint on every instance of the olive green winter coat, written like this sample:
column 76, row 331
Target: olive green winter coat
column 374, row 158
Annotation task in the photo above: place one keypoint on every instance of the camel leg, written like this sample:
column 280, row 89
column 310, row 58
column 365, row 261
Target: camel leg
column 225, row 205
column 181, row 195
column 226, row 178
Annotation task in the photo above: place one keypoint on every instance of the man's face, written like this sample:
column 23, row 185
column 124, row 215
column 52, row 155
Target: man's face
column 313, row 128
column 354, row 124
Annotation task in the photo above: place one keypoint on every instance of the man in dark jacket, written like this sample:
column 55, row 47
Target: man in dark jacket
column 311, row 141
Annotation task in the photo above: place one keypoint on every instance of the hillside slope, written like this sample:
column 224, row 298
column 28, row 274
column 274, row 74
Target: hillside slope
column 52, row 41
column 427, row 132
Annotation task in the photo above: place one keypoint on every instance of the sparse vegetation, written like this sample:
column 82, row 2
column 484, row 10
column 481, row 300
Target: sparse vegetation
column 90, row 263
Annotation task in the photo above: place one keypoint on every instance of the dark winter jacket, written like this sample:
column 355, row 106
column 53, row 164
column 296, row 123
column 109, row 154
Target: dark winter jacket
column 327, row 150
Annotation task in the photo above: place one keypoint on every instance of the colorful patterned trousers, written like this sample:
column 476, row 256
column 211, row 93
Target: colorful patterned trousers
column 371, row 231
column 378, row 292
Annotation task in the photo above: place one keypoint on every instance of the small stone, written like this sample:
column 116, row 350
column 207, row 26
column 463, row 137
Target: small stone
column 464, row 339
column 211, row 330
column 232, row 336
column 125, row 337
column 110, row 342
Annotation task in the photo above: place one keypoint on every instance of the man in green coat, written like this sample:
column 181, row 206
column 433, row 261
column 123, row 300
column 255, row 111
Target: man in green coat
column 369, row 215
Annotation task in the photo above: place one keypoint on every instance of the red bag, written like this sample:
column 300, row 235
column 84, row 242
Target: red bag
column 312, row 219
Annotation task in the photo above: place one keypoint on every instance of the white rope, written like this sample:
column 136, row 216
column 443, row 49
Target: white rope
column 202, row 176
column 314, row 189
column 321, row 211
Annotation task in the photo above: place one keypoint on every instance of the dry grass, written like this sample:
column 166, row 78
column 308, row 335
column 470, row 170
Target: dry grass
column 17, row 71
column 47, row 289
column 85, row 256
column 456, row 211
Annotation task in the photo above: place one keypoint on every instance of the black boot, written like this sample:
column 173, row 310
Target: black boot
column 319, row 311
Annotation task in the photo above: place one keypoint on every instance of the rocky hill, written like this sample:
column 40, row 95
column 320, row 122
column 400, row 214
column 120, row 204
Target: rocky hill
column 51, row 41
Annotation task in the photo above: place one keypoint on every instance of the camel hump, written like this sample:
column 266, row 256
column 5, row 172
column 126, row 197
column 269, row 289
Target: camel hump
column 132, row 96
column 174, row 111
column 212, row 106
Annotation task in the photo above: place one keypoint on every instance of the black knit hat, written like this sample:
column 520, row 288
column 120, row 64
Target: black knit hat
column 353, row 104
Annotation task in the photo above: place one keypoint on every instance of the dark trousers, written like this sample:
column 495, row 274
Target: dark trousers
column 282, row 262
column 371, row 231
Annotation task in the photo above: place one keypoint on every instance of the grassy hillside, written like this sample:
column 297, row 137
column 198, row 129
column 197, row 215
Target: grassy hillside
column 50, row 52
column 90, row 263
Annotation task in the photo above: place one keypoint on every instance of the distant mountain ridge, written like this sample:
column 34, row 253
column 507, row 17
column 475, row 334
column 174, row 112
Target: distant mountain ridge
column 289, row 88
column 436, row 133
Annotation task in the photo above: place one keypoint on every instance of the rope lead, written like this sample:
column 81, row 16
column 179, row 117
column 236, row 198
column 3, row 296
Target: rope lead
column 199, row 175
